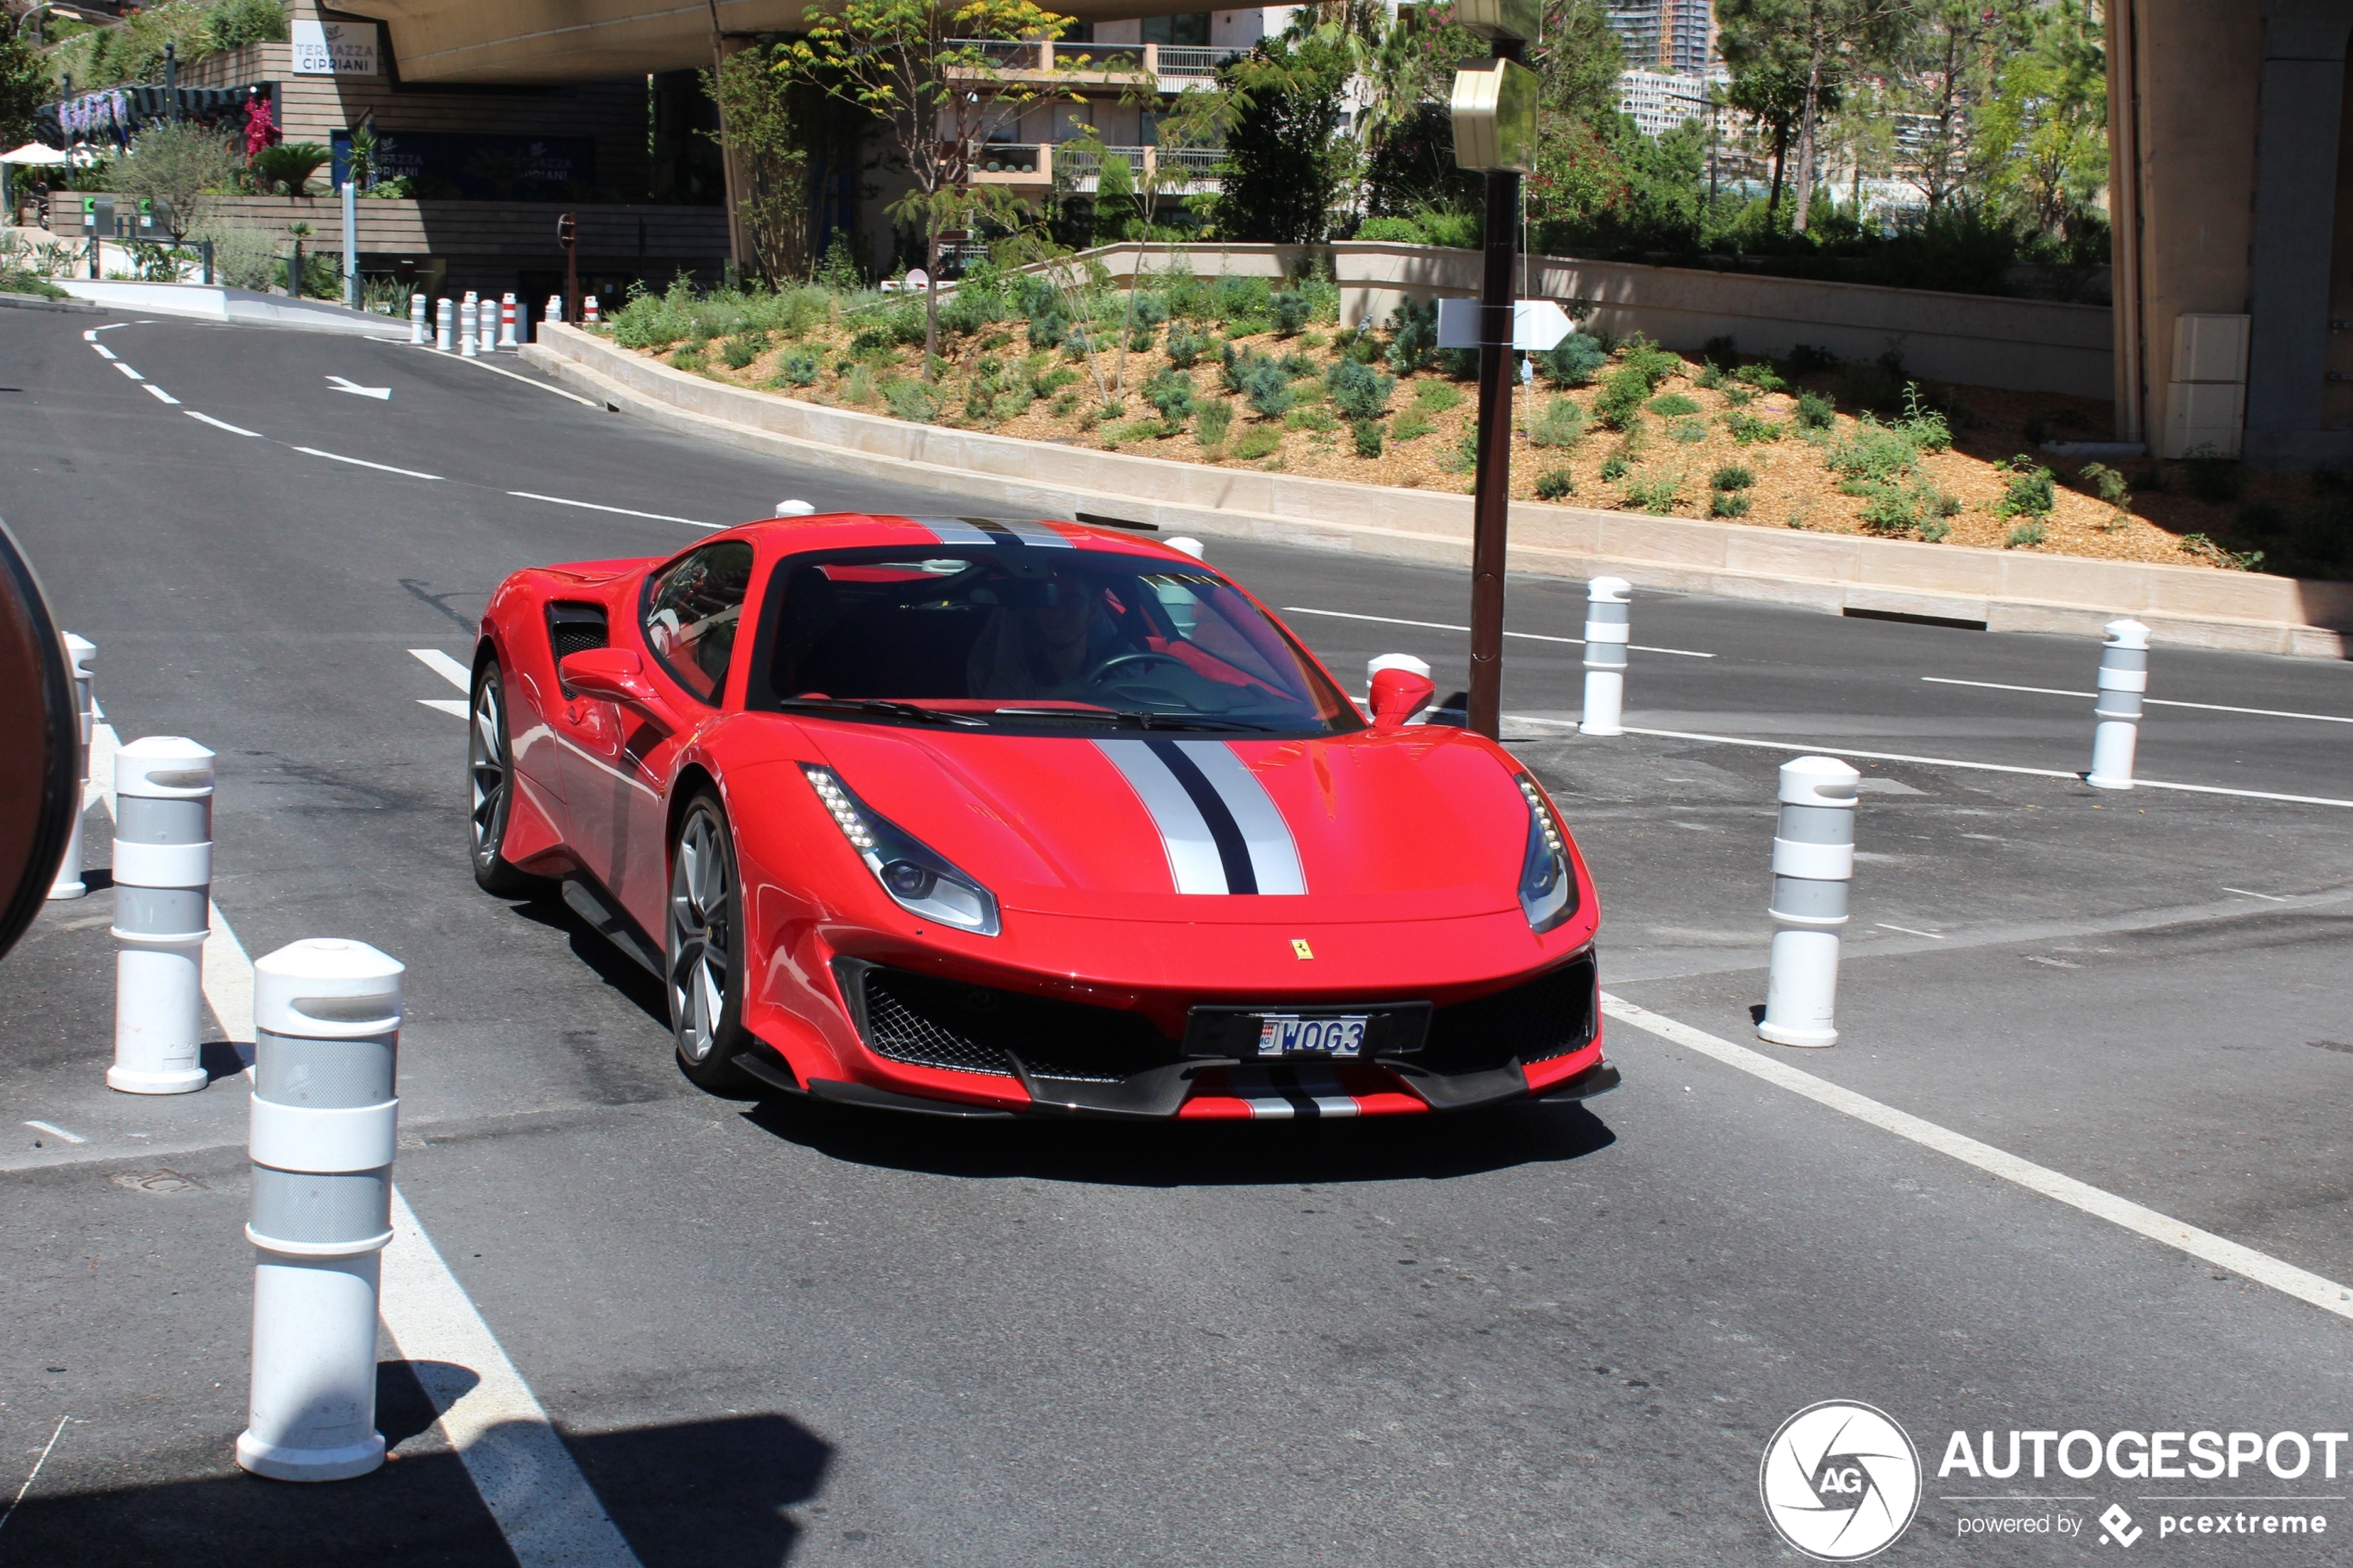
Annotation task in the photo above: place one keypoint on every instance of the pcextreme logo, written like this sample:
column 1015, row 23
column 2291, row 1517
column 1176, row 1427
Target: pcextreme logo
column 1840, row 1481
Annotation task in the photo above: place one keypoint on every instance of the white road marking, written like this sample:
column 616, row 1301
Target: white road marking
column 128, row 371
column 1448, row 626
column 526, row 1477
column 56, row 1131
column 104, row 352
column 9, row 1511
column 501, row 370
column 343, row 383
column 625, row 511
column 2267, row 897
column 1933, row 937
column 162, row 393
column 223, row 425
column 454, row 707
column 2286, row 1278
column 446, row 667
column 91, row 336
column 2150, row 701
column 364, row 463
column 1947, row 762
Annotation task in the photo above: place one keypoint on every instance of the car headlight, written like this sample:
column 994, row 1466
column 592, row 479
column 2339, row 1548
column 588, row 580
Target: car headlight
column 1547, row 882
column 920, row 881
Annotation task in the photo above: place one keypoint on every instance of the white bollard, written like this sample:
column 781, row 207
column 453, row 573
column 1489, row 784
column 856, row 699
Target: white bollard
column 468, row 327
column 162, row 895
column 555, row 311
column 507, row 310
column 793, row 508
column 68, row 884
column 325, row 1120
column 1193, row 548
column 1607, row 627
column 1407, row 662
column 1813, row 862
column 445, row 327
column 2124, row 679
column 417, row 320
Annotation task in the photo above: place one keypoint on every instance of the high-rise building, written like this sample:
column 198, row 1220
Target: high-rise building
column 1665, row 35
column 1639, row 25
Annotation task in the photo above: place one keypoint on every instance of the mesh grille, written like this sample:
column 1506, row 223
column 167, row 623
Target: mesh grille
column 931, row 1022
column 573, row 628
column 1549, row 1016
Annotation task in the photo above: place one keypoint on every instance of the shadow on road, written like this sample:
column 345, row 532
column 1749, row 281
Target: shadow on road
column 1194, row 1154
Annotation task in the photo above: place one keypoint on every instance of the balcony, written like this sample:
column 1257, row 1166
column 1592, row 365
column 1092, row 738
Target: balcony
column 1179, row 171
column 1172, row 66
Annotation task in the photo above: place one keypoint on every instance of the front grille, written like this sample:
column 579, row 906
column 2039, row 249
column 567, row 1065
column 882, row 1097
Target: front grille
column 1547, row 1017
column 944, row 1023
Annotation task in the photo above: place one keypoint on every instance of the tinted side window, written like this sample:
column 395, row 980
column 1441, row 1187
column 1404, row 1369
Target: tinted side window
column 692, row 611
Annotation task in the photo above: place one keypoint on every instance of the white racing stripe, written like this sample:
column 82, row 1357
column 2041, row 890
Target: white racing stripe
column 1274, row 856
column 2286, row 1278
column 1449, row 626
column 625, row 511
column 527, row 1479
column 1193, row 861
column 2150, row 701
column 364, row 463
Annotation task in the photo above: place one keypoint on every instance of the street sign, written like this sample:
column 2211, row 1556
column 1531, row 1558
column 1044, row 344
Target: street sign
column 1537, row 324
column 918, row 281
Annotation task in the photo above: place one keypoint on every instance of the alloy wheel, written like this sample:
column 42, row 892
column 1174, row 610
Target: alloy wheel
column 699, row 938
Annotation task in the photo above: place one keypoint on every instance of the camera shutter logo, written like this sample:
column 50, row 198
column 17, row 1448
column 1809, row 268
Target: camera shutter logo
column 1841, row 1481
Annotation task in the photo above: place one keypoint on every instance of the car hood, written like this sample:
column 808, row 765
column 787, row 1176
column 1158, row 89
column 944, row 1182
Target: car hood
column 1423, row 823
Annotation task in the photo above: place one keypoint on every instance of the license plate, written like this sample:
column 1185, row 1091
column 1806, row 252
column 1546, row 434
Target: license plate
column 1290, row 1033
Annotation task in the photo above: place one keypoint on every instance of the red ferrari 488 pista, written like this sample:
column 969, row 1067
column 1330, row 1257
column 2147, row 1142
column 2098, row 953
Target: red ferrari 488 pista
column 979, row 817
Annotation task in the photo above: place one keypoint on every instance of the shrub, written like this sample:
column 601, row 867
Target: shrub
column 287, row 167
column 1615, row 467
column 741, row 351
column 1233, row 299
column 2028, row 535
column 1062, row 405
column 1709, row 379
column 1213, row 418
column 1412, row 335
column 1461, row 364
column 1316, row 419
column 2210, row 478
column 860, row 387
column 1261, row 382
column 1762, row 377
column 2198, row 545
column 1141, row 429
column 1553, row 483
column 1047, row 384
column 1688, row 432
column 1258, row 442
column 1816, row 411
column 1139, row 337
column 1289, row 310
column 1572, row 361
column 1437, row 396
column 2105, row 482
column 1171, row 391
column 1396, row 230
column 798, row 366
column 914, row 401
column 688, row 358
column 1653, row 363
column 1561, row 424
column 1672, row 406
column 1368, row 433
column 1049, row 329
column 1297, row 365
column 1410, row 426
column 1727, row 503
column 1874, row 453
column 2028, row 492
column 1186, row 346
column 1731, row 476
column 1747, row 429
column 1924, row 424
column 1359, row 391
column 1622, row 395
column 1464, row 458
column 1655, row 495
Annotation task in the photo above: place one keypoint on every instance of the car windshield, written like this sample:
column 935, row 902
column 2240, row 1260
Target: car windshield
column 1034, row 638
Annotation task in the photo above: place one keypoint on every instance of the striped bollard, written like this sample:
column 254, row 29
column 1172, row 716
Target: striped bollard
column 1813, row 862
column 68, row 883
column 507, row 322
column 469, row 324
column 1607, row 627
column 325, row 1122
column 2124, row 680
column 588, row 317
column 417, row 320
column 445, row 327
column 162, row 903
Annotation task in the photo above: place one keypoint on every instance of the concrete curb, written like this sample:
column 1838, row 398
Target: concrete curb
column 35, row 302
column 1836, row 573
column 236, row 308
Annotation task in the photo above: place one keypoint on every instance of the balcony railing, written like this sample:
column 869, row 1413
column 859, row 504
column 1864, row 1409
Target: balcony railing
column 1045, row 163
column 1182, row 62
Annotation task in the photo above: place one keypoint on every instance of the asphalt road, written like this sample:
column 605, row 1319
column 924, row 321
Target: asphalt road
column 774, row 1332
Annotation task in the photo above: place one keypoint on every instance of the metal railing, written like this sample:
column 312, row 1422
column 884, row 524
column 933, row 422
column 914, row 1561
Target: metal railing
column 1182, row 60
column 1188, row 59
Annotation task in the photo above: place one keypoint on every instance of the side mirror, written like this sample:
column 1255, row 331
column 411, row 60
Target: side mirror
column 1398, row 694
column 609, row 675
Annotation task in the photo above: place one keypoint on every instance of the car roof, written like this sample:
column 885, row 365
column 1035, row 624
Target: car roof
column 854, row 530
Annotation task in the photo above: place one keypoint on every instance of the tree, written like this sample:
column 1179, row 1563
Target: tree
column 1285, row 160
column 927, row 72
column 24, row 86
column 1768, row 90
column 2043, row 132
column 1580, row 60
column 177, row 166
column 1943, row 67
column 1820, row 43
column 773, row 122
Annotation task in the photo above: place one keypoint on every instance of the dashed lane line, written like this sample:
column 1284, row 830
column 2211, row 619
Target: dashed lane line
column 2149, row 701
column 625, row 511
column 10, row 1512
column 126, row 370
column 2315, row 1289
column 224, row 424
column 1803, row 745
column 104, row 352
column 527, row 1479
column 446, row 667
column 162, row 393
column 1448, row 626
column 364, row 463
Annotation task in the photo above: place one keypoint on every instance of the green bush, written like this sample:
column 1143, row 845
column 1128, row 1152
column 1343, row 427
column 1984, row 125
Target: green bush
column 1747, row 429
column 911, row 400
column 1186, row 346
column 1655, row 364
column 1437, row 396
column 2028, row 492
column 1171, row 391
column 1731, row 476
column 1688, row 432
column 1410, row 425
column 1317, row 419
column 1571, row 361
column 1762, row 377
column 1616, row 466
column 2105, row 482
column 1289, row 310
column 1553, row 483
column 1262, row 384
column 1413, row 342
column 1213, row 420
column 2027, row 534
column 1672, row 406
column 1359, row 391
column 1561, row 424
column 1874, row 453
column 1048, row 329
column 860, row 388
column 1239, row 299
column 1710, row 377
column 1727, row 503
column 798, row 366
column 1368, row 441
column 689, row 357
column 1654, row 496
column 739, row 352
column 1297, row 365
column 1257, row 442
column 1816, row 411
column 1622, row 395
column 1140, row 335
column 1140, row 430
column 1395, row 229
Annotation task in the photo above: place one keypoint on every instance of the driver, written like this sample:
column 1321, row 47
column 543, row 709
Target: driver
column 1046, row 649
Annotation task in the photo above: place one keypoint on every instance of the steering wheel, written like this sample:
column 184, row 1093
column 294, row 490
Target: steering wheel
column 1104, row 675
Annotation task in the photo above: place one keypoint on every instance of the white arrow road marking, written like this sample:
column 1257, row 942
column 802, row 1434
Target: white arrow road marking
column 342, row 384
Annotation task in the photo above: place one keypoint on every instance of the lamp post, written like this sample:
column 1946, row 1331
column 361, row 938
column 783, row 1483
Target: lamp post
column 1494, row 116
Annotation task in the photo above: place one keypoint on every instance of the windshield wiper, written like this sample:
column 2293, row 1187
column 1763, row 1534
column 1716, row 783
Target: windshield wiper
column 910, row 710
column 1135, row 719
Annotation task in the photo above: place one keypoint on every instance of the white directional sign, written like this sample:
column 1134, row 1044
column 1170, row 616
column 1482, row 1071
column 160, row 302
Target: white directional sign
column 341, row 384
column 1537, row 324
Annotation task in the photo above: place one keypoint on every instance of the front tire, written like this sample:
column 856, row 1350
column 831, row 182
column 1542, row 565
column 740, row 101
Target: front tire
column 490, row 779
column 703, row 949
